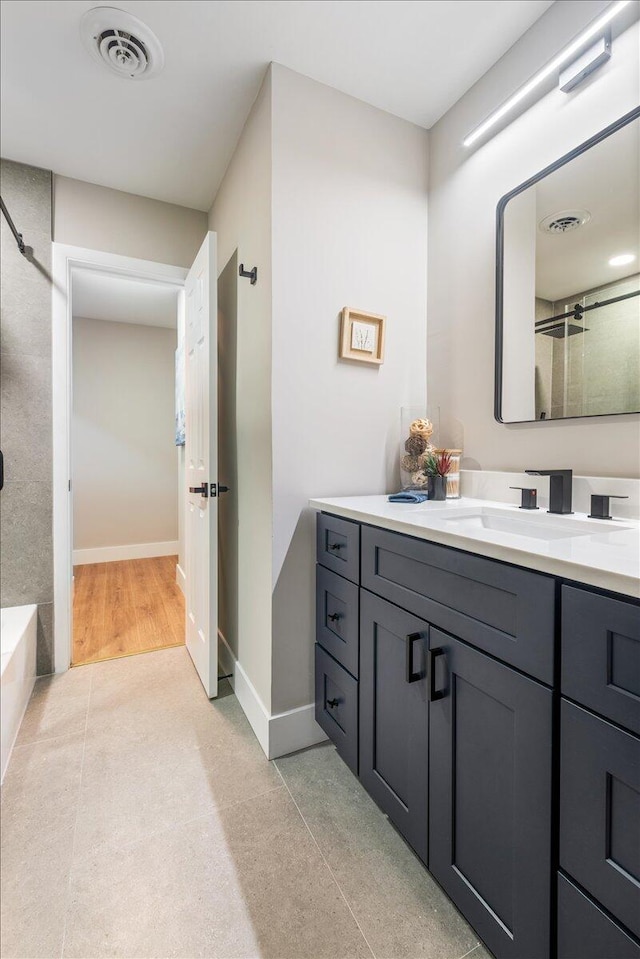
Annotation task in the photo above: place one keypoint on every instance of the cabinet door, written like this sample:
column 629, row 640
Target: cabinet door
column 490, row 796
column 394, row 739
column 585, row 931
column 600, row 811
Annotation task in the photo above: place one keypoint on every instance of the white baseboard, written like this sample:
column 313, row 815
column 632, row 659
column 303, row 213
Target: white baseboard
column 181, row 578
column 294, row 729
column 110, row 554
column 278, row 733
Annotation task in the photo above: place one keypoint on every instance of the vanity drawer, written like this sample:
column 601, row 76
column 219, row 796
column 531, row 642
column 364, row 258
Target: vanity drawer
column 600, row 811
column 338, row 546
column 601, row 655
column 337, row 615
column 506, row 611
column 337, row 706
column 585, row 931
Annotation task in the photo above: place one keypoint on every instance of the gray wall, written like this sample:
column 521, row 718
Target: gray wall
column 99, row 218
column 26, row 558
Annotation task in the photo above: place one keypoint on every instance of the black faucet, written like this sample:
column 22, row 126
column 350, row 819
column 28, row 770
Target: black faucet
column 559, row 489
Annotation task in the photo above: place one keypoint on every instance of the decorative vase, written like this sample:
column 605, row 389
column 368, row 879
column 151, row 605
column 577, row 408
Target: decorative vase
column 437, row 487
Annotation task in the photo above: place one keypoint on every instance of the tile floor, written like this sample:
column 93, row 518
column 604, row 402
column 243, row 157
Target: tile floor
column 141, row 820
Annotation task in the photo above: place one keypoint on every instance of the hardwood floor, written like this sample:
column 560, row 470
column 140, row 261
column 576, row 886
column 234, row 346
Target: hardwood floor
column 130, row 606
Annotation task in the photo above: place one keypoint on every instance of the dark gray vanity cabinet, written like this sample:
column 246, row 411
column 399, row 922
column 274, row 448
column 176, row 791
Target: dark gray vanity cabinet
column 599, row 850
column 490, row 796
column 492, row 712
column 337, row 651
column 394, row 715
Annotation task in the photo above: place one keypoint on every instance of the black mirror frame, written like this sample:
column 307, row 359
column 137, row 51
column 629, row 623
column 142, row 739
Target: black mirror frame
column 591, row 142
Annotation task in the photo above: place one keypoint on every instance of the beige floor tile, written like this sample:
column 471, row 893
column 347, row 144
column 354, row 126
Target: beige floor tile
column 52, row 712
column 39, row 805
column 132, row 788
column 33, row 893
column 75, row 682
column 40, row 791
column 163, row 700
column 246, row 882
column 400, row 908
column 480, row 952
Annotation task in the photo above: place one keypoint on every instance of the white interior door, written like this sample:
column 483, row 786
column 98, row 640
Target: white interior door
column 201, row 458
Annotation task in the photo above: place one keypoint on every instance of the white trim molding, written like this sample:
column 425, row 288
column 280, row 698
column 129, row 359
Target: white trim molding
column 110, row 554
column 277, row 733
column 181, row 578
column 65, row 261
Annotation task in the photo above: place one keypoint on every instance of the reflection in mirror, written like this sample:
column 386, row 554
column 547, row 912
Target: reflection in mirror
column 569, row 286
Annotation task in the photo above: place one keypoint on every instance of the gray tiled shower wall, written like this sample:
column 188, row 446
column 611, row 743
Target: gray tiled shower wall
column 26, row 540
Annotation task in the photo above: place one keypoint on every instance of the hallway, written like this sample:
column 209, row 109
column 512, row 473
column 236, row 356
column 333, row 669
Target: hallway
column 141, row 820
column 127, row 606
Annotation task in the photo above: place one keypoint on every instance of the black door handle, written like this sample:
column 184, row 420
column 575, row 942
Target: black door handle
column 223, row 489
column 336, row 545
column 434, row 693
column 333, row 617
column 332, row 703
column 203, row 489
column 410, row 675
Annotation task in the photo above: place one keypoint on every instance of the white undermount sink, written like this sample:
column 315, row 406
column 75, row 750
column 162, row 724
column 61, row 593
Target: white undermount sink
column 533, row 524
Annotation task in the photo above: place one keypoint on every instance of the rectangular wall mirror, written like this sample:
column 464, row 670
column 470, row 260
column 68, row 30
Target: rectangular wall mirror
column 568, row 284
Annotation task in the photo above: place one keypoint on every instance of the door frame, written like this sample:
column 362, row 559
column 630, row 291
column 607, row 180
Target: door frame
column 66, row 259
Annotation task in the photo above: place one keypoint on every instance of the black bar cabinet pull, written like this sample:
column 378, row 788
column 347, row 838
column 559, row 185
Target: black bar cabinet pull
column 411, row 676
column 434, row 693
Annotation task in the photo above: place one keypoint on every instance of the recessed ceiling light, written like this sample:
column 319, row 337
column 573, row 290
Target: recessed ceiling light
column 622, row 259
column 563, row 57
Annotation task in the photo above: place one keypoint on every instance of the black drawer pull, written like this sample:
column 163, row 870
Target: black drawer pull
column 411, row 676
column 332, row 703
column 335, row 545
column 434, row 693
column 334, row 617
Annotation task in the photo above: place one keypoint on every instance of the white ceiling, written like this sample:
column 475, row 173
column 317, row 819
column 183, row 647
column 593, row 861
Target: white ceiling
column 604, row 181
column 171, row 137
column 97, row 296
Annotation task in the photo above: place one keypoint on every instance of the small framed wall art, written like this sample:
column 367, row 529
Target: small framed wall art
column 362, row 336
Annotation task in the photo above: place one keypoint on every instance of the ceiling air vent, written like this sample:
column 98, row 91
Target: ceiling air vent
column 122, row 43
column 565, row 222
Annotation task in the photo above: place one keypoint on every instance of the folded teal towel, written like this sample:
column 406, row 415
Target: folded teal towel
column 408, row 497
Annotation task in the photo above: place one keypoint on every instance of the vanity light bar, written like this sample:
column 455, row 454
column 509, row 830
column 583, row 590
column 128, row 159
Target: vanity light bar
column 546, row 71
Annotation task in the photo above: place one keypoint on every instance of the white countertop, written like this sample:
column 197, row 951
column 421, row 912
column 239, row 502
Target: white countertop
column 609, row 558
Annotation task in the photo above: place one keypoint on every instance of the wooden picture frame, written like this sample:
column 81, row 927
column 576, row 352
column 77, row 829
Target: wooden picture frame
column 362, row 336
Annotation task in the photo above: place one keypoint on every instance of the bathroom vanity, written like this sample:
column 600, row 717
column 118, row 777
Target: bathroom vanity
column 487, row 695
